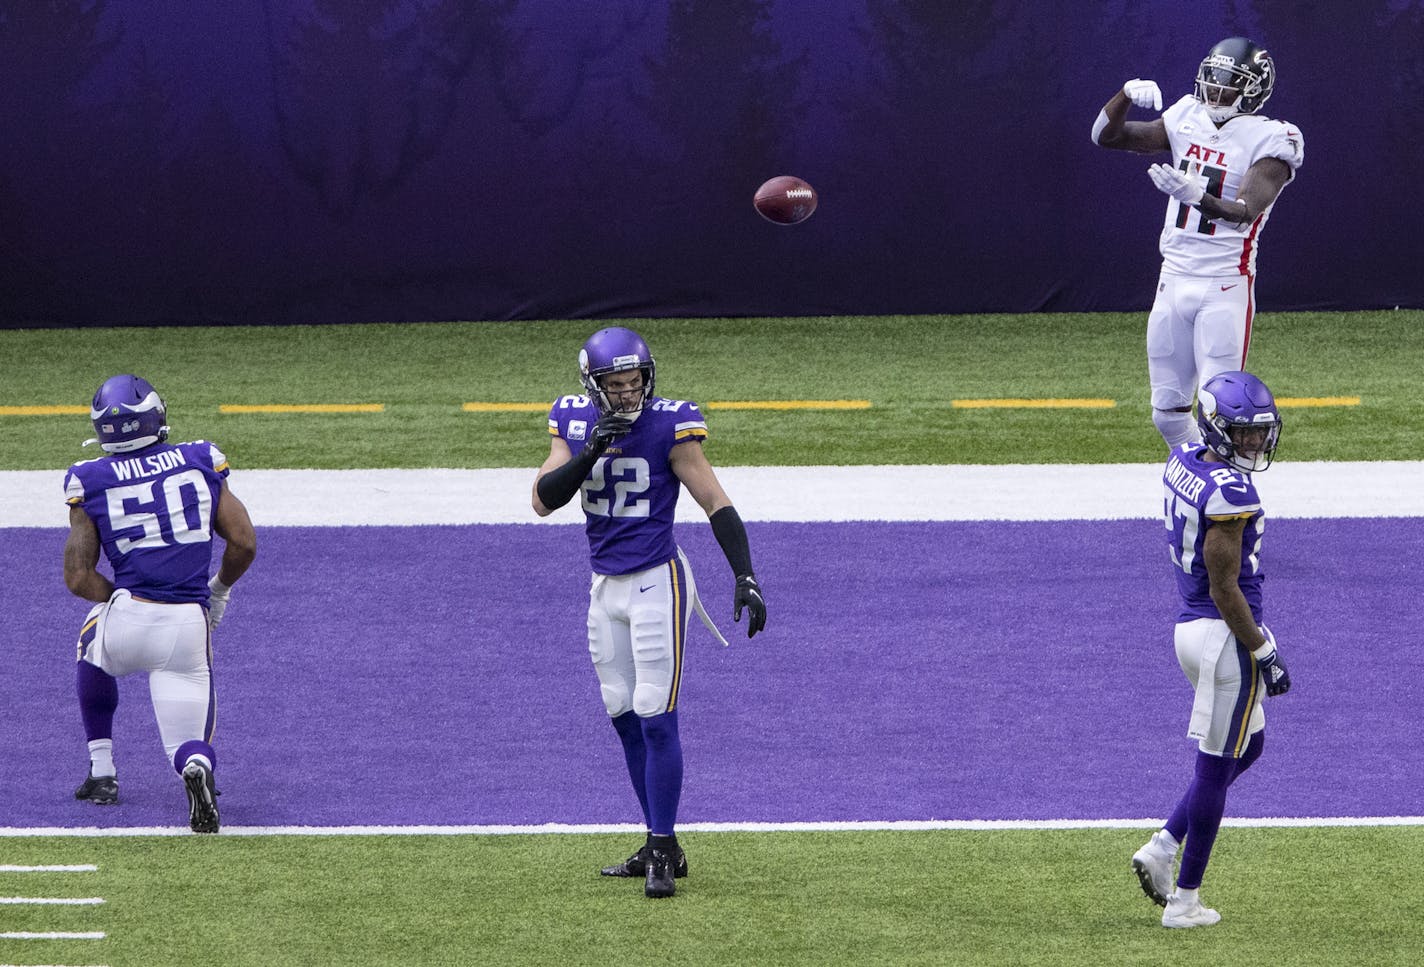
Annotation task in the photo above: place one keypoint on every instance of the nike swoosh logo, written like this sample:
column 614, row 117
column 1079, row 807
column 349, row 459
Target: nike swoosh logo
column 1231, row 286
column 648, row 588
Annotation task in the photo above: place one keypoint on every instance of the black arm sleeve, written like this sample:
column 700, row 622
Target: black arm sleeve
column 558, row 486
column 731, row 533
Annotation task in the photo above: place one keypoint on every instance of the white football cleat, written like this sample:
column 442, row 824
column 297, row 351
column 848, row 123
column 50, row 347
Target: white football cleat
column 1188, row 913
column 1153, row 866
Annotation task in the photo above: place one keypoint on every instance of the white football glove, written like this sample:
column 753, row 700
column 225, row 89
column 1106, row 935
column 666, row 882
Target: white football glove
column 217, row 601
column 1144, row 94
column 1172, row 182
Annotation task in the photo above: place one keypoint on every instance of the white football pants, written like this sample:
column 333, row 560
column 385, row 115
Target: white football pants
column 637, row 626
column 170, row 642
column 1227, row 709
column 1198, row 327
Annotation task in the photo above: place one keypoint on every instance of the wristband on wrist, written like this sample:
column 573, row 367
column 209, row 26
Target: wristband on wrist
column 1098, row 126
column 1265, row 651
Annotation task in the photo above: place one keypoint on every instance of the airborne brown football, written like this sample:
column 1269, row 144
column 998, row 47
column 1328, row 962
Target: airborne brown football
column 785, row 200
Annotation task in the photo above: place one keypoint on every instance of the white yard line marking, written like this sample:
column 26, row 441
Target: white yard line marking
column 1024, row 492
column 55, row 935
column 738, row 827
column 90, row 901
column 77, row 868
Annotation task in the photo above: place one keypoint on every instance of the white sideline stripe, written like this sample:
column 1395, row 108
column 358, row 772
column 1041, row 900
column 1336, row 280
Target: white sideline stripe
column 1028, row 492
column 78, row 868
column 57, row 935
column 739, row 827
column 37, row 901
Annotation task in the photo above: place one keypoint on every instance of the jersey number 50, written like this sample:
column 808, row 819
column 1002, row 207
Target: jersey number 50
column 172, row 514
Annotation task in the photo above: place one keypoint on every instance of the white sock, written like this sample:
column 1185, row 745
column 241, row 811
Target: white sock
column 1187, row 896
column 199, row 758
column 101, row 757
column 1166, row 842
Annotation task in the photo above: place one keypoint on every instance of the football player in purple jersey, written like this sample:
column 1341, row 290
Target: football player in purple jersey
column 630, row 453
column 152, row 507
column 1214, row 526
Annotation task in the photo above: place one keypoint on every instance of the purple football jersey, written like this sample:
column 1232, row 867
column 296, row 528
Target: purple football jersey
column 631, row 493
column 154, row 511
column 1199, row 492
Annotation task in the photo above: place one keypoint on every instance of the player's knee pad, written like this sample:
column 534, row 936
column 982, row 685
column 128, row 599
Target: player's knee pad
column 616, row 699
column 1177, row 427
column 650, row 699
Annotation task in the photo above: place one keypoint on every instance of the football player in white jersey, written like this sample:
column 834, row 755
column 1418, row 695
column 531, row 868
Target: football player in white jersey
column 1214, row 526
column 152, row 507
column 1228, row 167
column 629, row 453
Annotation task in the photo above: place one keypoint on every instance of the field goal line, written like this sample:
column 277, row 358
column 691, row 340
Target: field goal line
column 911, row 825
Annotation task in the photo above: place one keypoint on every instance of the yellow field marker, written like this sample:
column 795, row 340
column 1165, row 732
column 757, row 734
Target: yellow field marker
column 302, row 408
column 506, row 407
column 1317, row 401
column 44, row 410
column 1034, row 404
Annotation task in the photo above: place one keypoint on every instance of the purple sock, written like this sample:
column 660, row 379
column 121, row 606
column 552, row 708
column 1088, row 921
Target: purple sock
column 1206, row 802
column 664, row 780
column 1252, row 753
column 98, row 698
column 191, row 748
column 1177, row 822
column 635, row 753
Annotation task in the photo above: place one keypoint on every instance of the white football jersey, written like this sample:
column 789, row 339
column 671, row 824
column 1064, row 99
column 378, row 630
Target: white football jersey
column 1218, row 158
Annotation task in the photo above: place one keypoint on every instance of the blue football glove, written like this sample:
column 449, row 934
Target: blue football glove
column 1273, row 670
column 748, row 595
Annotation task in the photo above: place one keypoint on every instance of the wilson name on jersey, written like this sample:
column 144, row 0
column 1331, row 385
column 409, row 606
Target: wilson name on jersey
column 154, row 512
column 1219, row 158
column 1197, row 494
column 630, row 496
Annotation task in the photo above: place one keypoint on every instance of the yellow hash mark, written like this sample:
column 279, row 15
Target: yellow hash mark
column 1317, row 401
column 1035, row 404
column 43, row 410
column 302, row 408
column 790, row 405
column 505, row 407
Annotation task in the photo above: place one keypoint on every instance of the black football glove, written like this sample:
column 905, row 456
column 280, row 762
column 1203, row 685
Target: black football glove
column 748, row 595
column 610, row 426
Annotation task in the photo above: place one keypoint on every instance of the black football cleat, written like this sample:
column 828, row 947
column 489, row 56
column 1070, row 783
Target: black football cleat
column 103, row 790
column 202, row 797
column 660, row 882
column 637, row 865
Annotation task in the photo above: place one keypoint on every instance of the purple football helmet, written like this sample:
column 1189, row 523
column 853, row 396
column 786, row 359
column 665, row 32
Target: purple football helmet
column 614, row 350
column 1238, row 419
column 128, row 415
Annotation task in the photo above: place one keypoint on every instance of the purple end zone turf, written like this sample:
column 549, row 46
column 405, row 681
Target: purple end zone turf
column 908, row 671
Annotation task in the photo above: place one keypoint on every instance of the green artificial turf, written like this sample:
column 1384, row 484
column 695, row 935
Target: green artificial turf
column 1066, row 898
column 910, row 369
